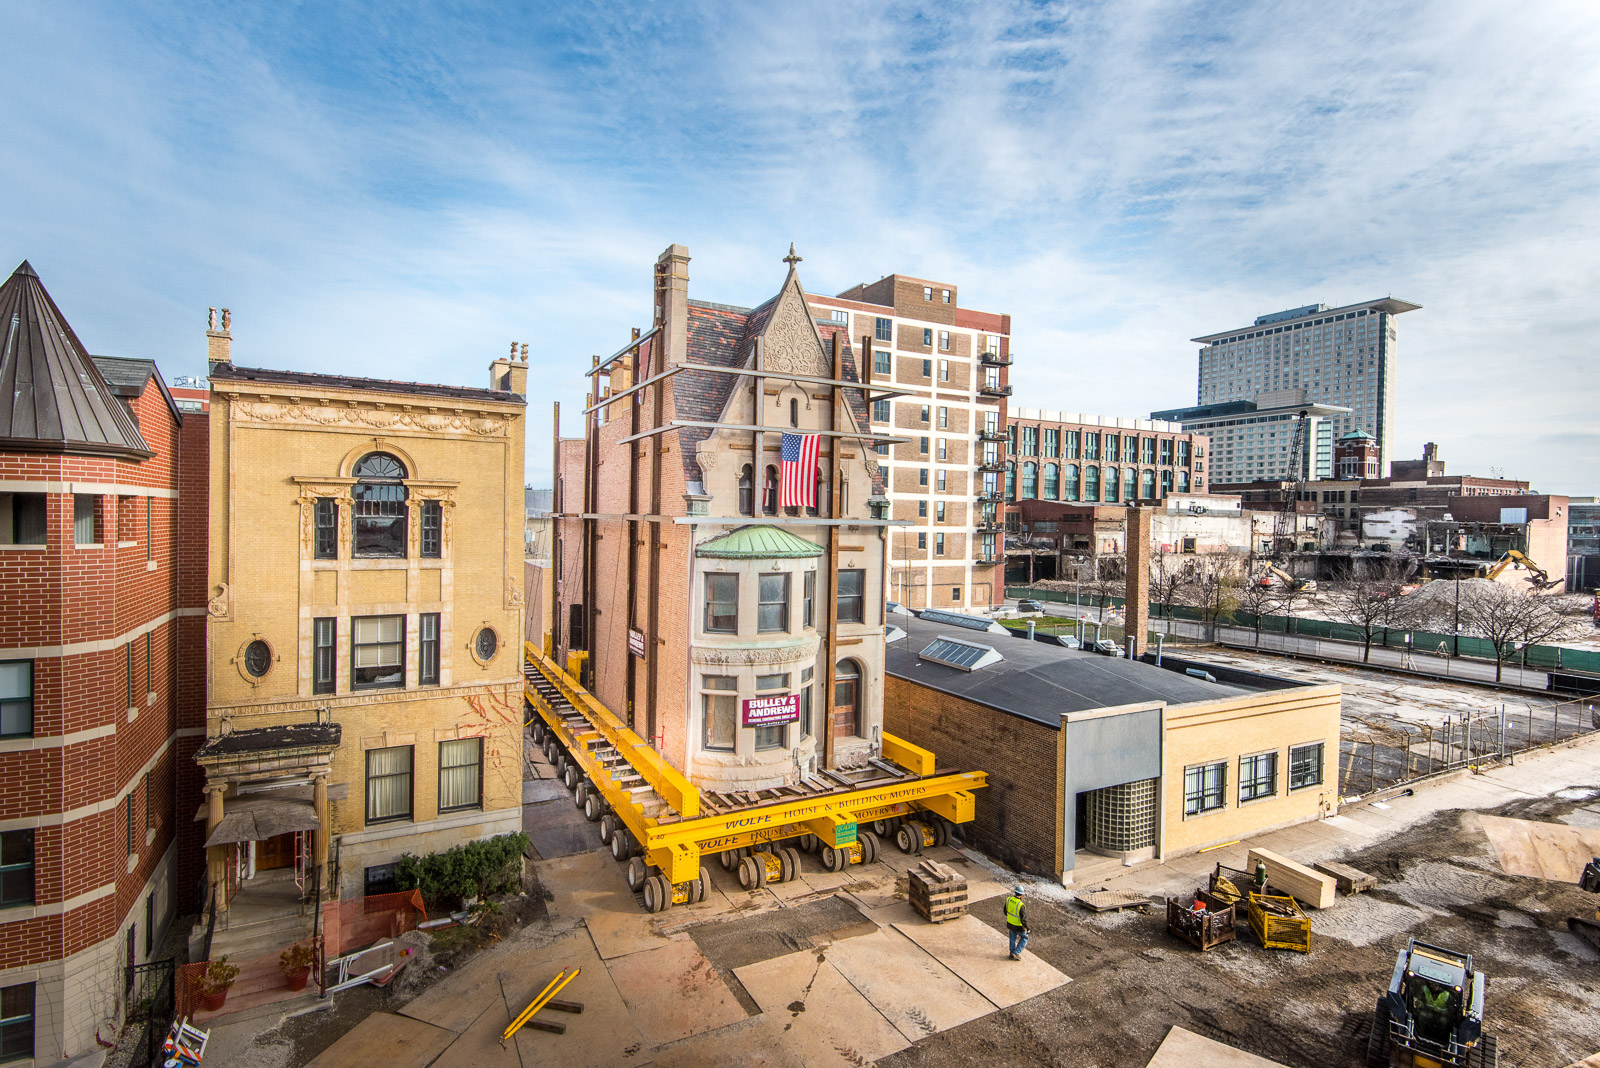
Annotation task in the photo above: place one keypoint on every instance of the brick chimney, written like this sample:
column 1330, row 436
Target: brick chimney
column 219, row 342
column 1136, row 613
column 510, row 373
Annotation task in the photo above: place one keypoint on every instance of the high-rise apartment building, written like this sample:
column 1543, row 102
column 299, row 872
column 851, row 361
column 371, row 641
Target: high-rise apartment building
column 1252, row 440
column 949, row 367
column 1335, row 357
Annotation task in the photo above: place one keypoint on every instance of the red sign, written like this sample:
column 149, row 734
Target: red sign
column 770, row 711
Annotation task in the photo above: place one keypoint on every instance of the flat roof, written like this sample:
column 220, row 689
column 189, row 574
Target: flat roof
column 1040, row 681
column 1205, row 413
column 1392, row 305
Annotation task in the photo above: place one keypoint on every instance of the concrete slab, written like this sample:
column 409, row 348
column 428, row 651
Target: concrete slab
column 558, row 829
column 460, row 998
column 536, row 790
column 888, row 915
column 577, row 879
column 480, row 1043
column 823, row 1019
column 1185, row 1049
column 1555, row 851
column 977, row 953
column 389, row 1040
column 674, row 992
column 757, row 1043
column 914, row 992
column 619, row 925
column 602, row 1035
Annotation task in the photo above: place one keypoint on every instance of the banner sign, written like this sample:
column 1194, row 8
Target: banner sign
column 636, row 642
column 770, row 711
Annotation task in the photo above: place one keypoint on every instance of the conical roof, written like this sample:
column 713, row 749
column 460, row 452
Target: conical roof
column 52, row 396
column 758, row 542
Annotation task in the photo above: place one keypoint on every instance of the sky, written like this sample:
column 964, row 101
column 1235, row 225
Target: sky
column 402, row 189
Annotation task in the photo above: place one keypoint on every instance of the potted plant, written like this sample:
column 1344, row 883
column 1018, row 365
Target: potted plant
column 215, row 982
column 295, row 964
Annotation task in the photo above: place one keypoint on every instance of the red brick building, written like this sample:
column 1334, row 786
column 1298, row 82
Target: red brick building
column 99, row 706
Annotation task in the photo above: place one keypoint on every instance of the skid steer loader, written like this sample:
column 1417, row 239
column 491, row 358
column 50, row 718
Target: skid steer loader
column 1588, row 929
column 1432, row 1014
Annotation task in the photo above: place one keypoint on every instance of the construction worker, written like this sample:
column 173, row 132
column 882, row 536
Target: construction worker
column 1017, row 923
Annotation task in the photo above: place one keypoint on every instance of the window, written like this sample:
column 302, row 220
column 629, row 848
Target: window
column 924, row 417
column 1091, row 446
column 852, row 595
column 379, row 879
column 127, row 813
column 882, row 362
column 772, row 735
column 722, row 603
column 1029, row 487
column 1204, row 788
column 927, row 292
column 922, row 540
column 880, row 411
column 927, row 368
column 22, row 518
column 128, row 663
column 922, row 445
column 944, row 346
column 938, row 512
column 1069, row 483
column 883, row 330
column 944, row 294
column 486, row 643
column 1069, row 449
column 432, row 530
column 942, row 450
column 939, row 480
column 427, row 649
column 460, row 774
column 389, row 783
column 1147, row 484
column 323, row 654
column 747, row 489
column 1305, row 766
column 149, row 806
column 1258, row 776
column 257, row 660
column 325, row 535
column 772, row 604
column 922, row 473
column 1091, row 483
column 16, row 1022
column 16, row 698
column 808, row 604
column 805, row 702
column 149, row 545
column 938, row 544
column 944, row 369
column 769, row 491
column 955, row 594
column 794, row 411
column 846, row 698
column 718, row 712
column 16, row 868
column 83, row 519
column 927, row 336
column 1050, row 488
column 922, row 509
column 380, row 506
column 377, row 652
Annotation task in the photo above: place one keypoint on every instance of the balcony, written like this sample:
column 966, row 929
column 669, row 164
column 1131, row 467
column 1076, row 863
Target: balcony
column 994, row 389
column 988, row 526
column 990, row 496
column 994, row 359
column 996, row 464
column 993, row 434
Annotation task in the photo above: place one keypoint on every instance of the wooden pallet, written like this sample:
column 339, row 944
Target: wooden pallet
column 1112, row 900
column 938, row 892
column 1349, row 880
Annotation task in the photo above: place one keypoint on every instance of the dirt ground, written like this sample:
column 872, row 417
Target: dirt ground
column 1131, row 981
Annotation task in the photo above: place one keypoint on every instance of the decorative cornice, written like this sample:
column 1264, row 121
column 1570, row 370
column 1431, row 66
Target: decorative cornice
column 744, row 656
column 367, row 416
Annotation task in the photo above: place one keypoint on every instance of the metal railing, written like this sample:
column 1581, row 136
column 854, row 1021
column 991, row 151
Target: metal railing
column 994, row 359
column 995, row 389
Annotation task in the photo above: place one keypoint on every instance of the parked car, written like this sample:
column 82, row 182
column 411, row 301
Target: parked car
column 1028, row 604
column 1108, row 647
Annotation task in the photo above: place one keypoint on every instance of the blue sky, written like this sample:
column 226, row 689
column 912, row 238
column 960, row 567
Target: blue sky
column 400, row 190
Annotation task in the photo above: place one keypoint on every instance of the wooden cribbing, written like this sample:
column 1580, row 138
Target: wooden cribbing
column 1310, row 888
column 1349, row 880
column 938, row 892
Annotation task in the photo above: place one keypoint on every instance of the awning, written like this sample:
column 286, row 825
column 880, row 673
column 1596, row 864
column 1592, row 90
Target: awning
column 254, row 819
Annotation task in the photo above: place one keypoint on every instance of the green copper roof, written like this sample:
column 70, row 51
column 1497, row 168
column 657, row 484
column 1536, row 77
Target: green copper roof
column 758, row 543
column 1356, row 435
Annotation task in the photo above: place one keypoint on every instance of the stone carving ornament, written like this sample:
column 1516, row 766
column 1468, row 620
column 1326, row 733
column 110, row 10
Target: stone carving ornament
column 791, row 344
column 433, row 422
column 766, row 654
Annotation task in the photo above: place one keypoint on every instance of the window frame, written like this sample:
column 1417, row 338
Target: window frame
column 7, row 703
column 806, row 702
column 429, row 673
column 477, row 802
column 1194, row 799
column 37, row 511
column 857, row 599
column 1261, row 788
column 381, row 492
column 765, row 601
column 1321, row 765
column 808, row 599
column 712, row 577
column 325, row 529
column 31, row 1017
column 324, row 654
column 410, row 775
column 710, row 694
column 355, row 683
column 29, row 835
column 431, row 533
column 883, row 329
column 775, row 735
column 93, row 518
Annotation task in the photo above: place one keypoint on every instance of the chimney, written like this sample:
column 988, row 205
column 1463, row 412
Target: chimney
column 1136, row 613
column 672, row 306
column 219, row 342
column 509, row 373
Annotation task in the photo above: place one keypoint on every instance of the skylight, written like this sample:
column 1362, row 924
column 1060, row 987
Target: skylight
column 959, row 654
column 956, row 619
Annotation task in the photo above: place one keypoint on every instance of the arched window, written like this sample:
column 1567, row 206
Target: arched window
column 1011, row 480
column 1148, row 488
column 1030, row 481
column 821, row 505
column 794, row 411
column 1051, row 489
column 1111, row 485
column 747, row 491
column 1069, row 485
column 847, row 699
column 1183, row 481
column 769, row 492
column 1091, row 483
column 380, row 506
column 1129, row 484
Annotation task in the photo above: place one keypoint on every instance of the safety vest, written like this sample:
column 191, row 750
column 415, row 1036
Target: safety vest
column 1014, row 911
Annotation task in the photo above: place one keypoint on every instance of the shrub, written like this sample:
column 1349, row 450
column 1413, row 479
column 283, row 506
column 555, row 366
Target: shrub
column 296, row 959
column 476, row 869
column 218, row 976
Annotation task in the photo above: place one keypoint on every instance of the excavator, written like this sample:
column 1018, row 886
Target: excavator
column 1537, row 577
column 1304, row 585
column 1589, row 882
column 1432, row 1014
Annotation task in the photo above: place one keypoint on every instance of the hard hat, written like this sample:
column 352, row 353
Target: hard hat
column 1017, row 890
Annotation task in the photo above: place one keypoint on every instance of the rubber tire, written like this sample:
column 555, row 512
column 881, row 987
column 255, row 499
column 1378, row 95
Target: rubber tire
column 941, row 833
column 794, row 861
column 636, row 873
column 831, row 858
column 607, row 828
column 593, row 806
column 579, row 792
column 1378, row 1041
column 808, row 843
column 657, row 894
column 869, row 847
column 785, row 866
column 621, row 845
column 569, row 775
column 749, row 877
column 907, row 841
column 729, row 859
column 705, row 884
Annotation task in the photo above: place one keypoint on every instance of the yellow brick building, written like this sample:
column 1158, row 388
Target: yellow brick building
column 365, row 620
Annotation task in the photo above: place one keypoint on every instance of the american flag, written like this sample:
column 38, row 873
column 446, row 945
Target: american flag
column 797, row 479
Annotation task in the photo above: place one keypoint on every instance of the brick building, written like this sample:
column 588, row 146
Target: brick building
column 1056, row 456
column 366, row 578
column 948, row 369
column 1092, row 757
column 101, row 480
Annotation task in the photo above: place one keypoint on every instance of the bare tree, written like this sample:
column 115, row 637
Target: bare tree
column 1288, row 596
column 1510, row 619
column 1369, row 599
column 1168, row 573
column 1257, row 597
column 1217, row 580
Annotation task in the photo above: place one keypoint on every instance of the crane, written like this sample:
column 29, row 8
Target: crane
column 1293, row 481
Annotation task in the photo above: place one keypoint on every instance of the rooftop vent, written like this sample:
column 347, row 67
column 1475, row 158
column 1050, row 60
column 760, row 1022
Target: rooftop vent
column 959, row 654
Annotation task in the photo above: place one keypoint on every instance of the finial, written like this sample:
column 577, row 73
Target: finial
column 211, row 319
column 791, row 259
column 227, row 320
column 524, row 352
column 513, row 350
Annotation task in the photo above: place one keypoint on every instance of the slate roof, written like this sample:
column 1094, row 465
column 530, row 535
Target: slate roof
column 265, row 739
column 231, row 372
column 758, row 542
column 53, row 397
column 128, row 375
column 1040, row 682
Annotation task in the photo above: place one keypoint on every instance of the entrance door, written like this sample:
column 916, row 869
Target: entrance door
column 275, row 852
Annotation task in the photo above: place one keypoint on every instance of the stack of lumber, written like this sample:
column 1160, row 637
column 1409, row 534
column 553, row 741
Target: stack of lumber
column 938, row 893
column 1349, row 880
column 1311, row 888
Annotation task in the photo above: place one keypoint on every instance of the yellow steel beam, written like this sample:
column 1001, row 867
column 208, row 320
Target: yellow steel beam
column 957, row 806
column 913, row 758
